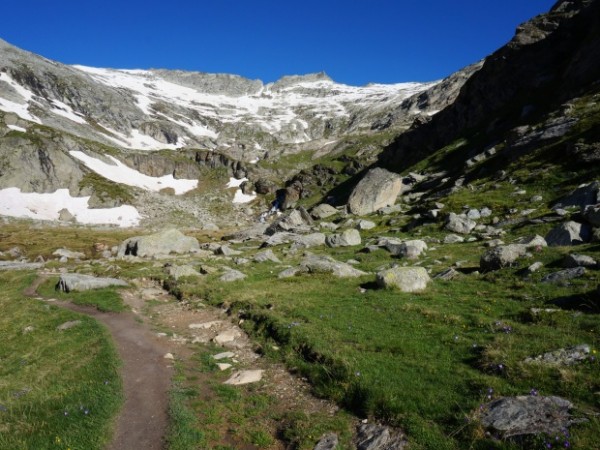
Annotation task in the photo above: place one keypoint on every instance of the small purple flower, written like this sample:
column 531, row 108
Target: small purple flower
column 533, row 392
column 567, row 444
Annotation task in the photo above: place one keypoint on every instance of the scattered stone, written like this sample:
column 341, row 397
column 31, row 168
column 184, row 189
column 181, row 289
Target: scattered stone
column 64, row 215
column 536, row 199
column 16, row 265
column 530, row 242
column 564, row 275
column 245, row 377
column 591, row 213
column 569, row 233
column 328, row 441
column 225, row 250
column 178, row 272
column 535, row 267
column 347, row 238
column 494, row 243
column 407, row 279
column 473, row 214
column 574, row 260
column 227, row 336
column 409, row 249
column 78, row 282
column 563, row 357
column 169, row 356
column 241, row 261
column 207, row 270
column 523, row 415
column 460, row 225
column 223, row 355
column 267, row 255
column 68, row 325
column 232, row 275
column 379, row 188
column 66, row 253
column 224, row 366
column 158, row 244
column 294, row 221
column 447, row 275
column 501, row 256
column 323, row 211
column 28, row 329
column 453, row 239
column 485, row 212
column 587, row 194
column 326, row 264
column 378, row 437
column 292, row 272
column 365, row 225
column 328, row 226
column 14, row 252
column 205, row 325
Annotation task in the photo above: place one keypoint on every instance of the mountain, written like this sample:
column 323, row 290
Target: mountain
column 115, row 137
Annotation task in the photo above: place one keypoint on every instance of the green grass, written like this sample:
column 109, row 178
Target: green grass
column 107, row 299
column 58, row 389
column 422, row 361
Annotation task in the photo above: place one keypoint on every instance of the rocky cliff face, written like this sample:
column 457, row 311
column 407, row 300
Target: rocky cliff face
column 552, row 59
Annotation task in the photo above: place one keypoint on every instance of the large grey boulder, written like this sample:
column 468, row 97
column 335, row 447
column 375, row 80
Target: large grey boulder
column 407, row 279
column 460, row 225
column 587, row 194
column 326, row 264
column 232, row 275
column 502, row 256
column 267, row 255
column 299, row 240
column 379, row 188
column 163, row 243
column 347, row 238
column 532, row 242
column 569, row 233
column 407, row 249
column 523, row 415
column 78, row 282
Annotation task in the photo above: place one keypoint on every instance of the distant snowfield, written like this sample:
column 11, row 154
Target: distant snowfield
column 239, row 196
column 120, row 173
column 14, row 203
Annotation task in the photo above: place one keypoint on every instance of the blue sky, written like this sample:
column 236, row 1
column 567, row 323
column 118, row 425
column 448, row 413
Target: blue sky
column 354, row 41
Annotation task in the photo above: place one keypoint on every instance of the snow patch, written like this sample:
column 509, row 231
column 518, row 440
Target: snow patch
column 120, row 173
column 14, row 203
column 64, row 110
column 234, row 182
column 240, row 197
column 17, row 128
column 20, row 109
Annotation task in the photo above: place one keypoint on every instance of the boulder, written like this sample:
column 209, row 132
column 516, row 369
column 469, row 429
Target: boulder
column 347, row 238
column 408, row 249
column 365, row 225
column 226, row 250
column 584, row 195
column 564, row 275
column 563, row 357
column 18, row 265
column 592, row 215
column 407, row 279
column 569, row 233
column 178, row 272
column 267, row 255
column 379, row 437
column 299, row 240
column 323, row 211
column 447, row 275
column 293, row 221
column 532, row 242
column 501, row 256
column 379, row 188
column 460, row 225
column 232, row 275
column 453, row 239
column 574, row 260
column 524, row 415
column 78, row 282
column 245, row 377
column 325, row 264
column 162, row 243
column 328, row 441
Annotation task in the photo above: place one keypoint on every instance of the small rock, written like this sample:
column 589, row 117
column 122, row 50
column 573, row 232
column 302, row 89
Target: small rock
column 501, row 256
column 535, row 267
column 347, row 238
column 232, row 275
column 68, row 325
column 574, row 260
column 447, row 275
column 564, row 275
column 523, row 415
column 245, row 377
column 453, row 239
column 28, row 329
column 225, row 250
column 169, row 356
column 460, row 225
column 224, row 355
column 224, row 366
column 569, row 233
column 328, row 441
column 323, row 211
column 365, row 225
column 267, row 255
column 227, row 336
column 563, row 357
column 205, row 325
column 68, row 254
column 378, row 437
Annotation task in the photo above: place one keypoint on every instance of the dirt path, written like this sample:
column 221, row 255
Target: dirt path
column 146, row 374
